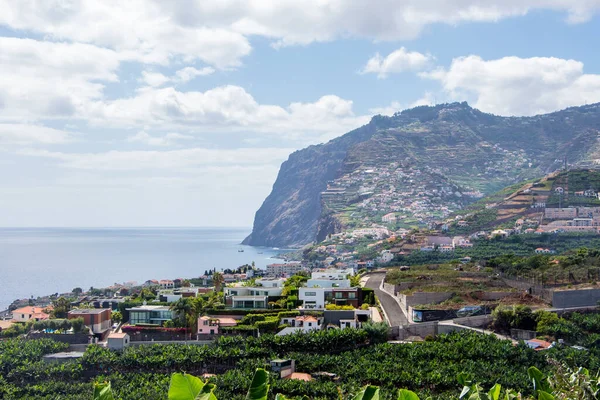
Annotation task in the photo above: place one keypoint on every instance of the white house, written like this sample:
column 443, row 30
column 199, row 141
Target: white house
column 284, row 269
column 385, row 257
column 330, row 278
column 302, row 323
column 166, row 284
column 118, row 341
column 328, row 283
column 253, row 296
column 332, row 273
column 25, row 314
column 271, row 282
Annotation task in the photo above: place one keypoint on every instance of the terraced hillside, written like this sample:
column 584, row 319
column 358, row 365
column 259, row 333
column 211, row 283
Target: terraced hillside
column 451, row 152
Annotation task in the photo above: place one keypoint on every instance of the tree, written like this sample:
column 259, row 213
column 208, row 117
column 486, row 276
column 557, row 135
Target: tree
column 77, row 291
column 185, row 311
column 218, row 280
column 62, row 307
column 117, row 316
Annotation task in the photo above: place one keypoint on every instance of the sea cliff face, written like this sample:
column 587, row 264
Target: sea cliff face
column 451, row 145
column 289, row 215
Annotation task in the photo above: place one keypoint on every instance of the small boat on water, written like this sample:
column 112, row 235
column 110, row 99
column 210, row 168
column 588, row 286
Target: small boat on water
column 240, row 250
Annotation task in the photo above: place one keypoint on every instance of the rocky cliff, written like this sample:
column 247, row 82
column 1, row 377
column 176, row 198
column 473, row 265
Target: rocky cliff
column 449, row 145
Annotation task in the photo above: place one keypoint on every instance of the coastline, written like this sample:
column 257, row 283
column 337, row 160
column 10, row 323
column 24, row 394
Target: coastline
column 43, row 261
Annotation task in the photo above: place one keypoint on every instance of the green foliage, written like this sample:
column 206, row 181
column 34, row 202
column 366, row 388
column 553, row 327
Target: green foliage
column 116, row 316
column 505, row 318
column 288, row 314
column 188, row 387
column 62, row 306
column 428, row 369
column 60, row 325
column 544, row 320
column 336, row 307
column 368, row 393
column 377, row 331
column 259, row 387
column 103, row 391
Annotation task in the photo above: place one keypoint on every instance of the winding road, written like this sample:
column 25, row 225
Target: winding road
column 391, row 307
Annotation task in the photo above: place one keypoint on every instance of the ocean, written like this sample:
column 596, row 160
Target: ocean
column 42, row 261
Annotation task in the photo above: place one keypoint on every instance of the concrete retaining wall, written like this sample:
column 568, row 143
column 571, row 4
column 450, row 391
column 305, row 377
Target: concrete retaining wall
column 451, row 328
column 575, row 298
column 77, row 338
column 422, row 298
column 196, row 342
column 149, row 336
column 491, row 296
column 391, row 289
column 477, row 321
column 421, row 330
column 530, row 285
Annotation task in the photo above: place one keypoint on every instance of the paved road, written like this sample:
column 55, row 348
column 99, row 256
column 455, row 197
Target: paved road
column 391, row 307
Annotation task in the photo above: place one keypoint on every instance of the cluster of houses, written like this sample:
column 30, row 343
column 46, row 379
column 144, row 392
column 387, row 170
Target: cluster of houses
column 325, row 286
column 572, row 219
column 398, row 191
column 444, row 244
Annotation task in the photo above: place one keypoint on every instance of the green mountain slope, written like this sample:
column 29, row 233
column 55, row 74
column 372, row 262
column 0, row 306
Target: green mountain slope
column 428, row 163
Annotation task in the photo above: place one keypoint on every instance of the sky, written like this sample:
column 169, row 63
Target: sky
column 179, row 113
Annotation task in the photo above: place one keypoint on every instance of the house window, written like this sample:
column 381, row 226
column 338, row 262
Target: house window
column 339, row 295
column 351, row 295
column 310, row 293
column 234, row 293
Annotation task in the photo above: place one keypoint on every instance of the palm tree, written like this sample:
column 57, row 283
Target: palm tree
column 218, row 280
column 184, row 309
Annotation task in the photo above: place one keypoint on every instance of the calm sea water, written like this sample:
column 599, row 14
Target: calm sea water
column 42, row 261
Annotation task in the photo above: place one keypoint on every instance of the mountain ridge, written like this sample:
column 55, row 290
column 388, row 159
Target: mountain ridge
column 453, row 143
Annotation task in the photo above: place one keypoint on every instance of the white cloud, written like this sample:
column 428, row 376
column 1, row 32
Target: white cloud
column 154, row 79
column 227, row 108
column 216, row 31
column 518, row 86
column 397, row 61
column 163, row 160
column 167, row 140
column 143, row 30
column 188, row 73
column 48, row 79
column 25, row 134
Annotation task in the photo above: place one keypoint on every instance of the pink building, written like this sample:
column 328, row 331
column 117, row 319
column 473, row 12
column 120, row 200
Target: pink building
column 210, row 325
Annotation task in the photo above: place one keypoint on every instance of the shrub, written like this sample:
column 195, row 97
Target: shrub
column 335, row 307
column 288, row 314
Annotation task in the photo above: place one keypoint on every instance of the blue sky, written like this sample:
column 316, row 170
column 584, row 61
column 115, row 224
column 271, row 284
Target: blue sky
column 151, row 113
